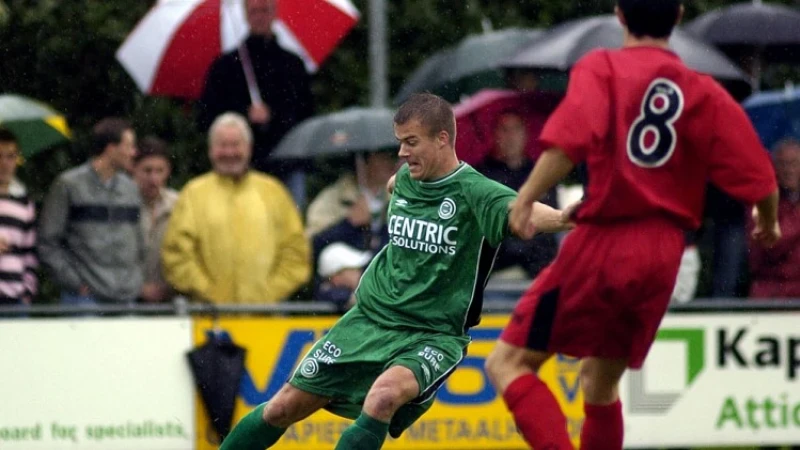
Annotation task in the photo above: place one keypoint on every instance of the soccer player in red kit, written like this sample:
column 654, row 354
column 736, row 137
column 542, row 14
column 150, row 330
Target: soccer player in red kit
column 652, row 133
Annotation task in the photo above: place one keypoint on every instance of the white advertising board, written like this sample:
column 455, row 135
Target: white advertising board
column 96, row 384
column 717, row 379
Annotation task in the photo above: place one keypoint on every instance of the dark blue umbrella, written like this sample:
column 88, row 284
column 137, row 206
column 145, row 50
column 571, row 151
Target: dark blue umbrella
column 775, row 115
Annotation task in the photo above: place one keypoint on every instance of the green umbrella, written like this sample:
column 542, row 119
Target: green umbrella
column 36, row 125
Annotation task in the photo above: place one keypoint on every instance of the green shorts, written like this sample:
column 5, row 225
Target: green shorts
column 345, row 363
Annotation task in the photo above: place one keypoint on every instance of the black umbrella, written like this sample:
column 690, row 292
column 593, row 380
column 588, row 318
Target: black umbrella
column 565, row 44
column 468, row 66
column 758, row 31
column 352, row 130
column 217, row 367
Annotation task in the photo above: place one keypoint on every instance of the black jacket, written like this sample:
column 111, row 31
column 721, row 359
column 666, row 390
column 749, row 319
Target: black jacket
column 284, row 84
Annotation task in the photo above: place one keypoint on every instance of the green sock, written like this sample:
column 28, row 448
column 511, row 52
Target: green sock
column 365, row 434
column 252, row 433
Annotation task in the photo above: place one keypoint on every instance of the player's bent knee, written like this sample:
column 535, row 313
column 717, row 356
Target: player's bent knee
column 290, row 405
column 383, row 402
column 390, row 391
column 503, row 365
column 506, row 362
column 278, row 412
column 494, row 365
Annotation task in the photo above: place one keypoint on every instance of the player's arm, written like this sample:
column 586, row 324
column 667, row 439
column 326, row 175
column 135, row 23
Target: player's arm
column 579, row 123
column 550, row 168
column 546, row 219
column 741, row 167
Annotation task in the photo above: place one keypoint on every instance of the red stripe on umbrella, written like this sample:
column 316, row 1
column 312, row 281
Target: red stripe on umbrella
column 170, row 50
column 316, row 23
column 184, row 64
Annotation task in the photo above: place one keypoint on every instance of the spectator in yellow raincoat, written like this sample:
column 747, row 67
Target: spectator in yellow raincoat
column 235, row 235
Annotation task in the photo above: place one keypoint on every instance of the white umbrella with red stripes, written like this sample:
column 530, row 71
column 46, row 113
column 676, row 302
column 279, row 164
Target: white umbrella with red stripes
column 171, row 48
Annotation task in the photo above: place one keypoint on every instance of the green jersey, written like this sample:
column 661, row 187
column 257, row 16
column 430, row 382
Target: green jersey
column 444, row 237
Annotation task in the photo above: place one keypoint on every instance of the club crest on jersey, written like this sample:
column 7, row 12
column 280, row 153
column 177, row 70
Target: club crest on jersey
column 447, row 209
column 309, row 368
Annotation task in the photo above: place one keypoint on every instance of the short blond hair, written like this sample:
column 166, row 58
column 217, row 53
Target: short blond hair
column 434, row 113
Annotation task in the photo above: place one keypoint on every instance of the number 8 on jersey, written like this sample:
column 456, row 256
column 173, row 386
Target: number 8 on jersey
column 652, row 137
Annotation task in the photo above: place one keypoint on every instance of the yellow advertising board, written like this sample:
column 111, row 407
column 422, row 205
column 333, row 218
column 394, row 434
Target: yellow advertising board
column 468, row 413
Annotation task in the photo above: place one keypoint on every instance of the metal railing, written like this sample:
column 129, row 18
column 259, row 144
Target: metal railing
column 501, row 301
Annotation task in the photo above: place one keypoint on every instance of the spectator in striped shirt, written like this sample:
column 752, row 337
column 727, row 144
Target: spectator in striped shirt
column 18, row 262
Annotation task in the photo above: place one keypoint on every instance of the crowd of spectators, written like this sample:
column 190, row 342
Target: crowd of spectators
column 112, row 231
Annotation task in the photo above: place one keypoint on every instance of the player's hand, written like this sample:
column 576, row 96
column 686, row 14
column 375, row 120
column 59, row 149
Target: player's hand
column 259, row 114
column 567, row 215
column 519, row 219
column 765, row 234
column 4, row 247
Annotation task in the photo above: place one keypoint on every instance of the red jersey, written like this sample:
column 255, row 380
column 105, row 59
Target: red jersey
column 652, row 133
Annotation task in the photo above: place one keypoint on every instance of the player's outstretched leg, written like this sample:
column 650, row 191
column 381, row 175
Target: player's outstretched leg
column 512, row 371
column 602, row 427
column 393, row 389
column 264, row 425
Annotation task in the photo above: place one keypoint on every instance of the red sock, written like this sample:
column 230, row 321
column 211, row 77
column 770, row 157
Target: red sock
column 602, row 427
column 537, row 414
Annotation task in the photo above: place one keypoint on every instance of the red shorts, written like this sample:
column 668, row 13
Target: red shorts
column 604, row 295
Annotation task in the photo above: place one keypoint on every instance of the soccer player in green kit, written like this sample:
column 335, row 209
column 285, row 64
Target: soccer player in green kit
column 382, row 362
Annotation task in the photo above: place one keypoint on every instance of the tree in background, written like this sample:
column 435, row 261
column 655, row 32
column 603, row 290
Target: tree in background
column 62, row 52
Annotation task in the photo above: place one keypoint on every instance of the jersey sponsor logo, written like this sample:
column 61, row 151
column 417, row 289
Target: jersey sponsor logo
column 401, row 202
column 422, row 235
column 447, row 209
column 309, row 368
column 652, row 136
column 433, row 357
column 328, row 353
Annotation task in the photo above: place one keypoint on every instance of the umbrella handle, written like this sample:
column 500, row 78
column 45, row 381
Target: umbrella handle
column 250, row 75
column 247, row 67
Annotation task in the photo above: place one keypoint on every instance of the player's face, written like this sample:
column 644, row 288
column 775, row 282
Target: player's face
column 425, row 154
column 230, row 152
